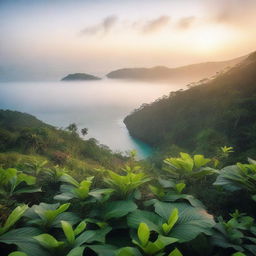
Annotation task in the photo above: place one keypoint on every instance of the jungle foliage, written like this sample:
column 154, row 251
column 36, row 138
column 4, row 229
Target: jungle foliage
column 129, row 212
column 24, row 139
column 204, row 117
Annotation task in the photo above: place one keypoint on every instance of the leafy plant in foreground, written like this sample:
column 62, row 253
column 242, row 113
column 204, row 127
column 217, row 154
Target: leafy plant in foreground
column 36, row 167
column 191, row 222
column 75, row 190
column 81, row 191
column 148, row 247
column 74, row 239
column 238, row 233
column 239, row 176
column 47, row 216
column 125, row 185
column 187, row 167
column 58, row 174
column 21, row 237
column 169, row 191
column 15, row 215
column 14, row 182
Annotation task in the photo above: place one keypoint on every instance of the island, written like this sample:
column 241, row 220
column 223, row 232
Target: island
column 80, row 77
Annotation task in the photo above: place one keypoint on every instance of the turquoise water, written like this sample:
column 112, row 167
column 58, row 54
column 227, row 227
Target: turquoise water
column 99, row 106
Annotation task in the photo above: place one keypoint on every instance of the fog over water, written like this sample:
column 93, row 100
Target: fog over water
column 99, row 106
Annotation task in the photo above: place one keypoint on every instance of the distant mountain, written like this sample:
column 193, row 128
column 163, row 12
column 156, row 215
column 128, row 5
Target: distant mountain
column 215, row 113
column 183, row 74
column 80, row 77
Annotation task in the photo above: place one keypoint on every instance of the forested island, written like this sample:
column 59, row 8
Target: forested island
column 80, row 77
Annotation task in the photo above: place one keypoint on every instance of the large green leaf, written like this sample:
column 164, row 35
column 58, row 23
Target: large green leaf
column 23, row 239
column 78, row 251
column 117, row 209
column 7, row 175
column 90, row 236
column 220, row 240
column 17, row 253
column 101, row 194
column 235, row 177
column 151, row 248
column 48, row 241
column 200, row 160
column 191, row 222
column 174, row 216
column 143, row 233
column 183, row 197
column 69, row 179
column 71, row 217
column 103, row 250
column 13, row 218
column 68, row 231
column 175, row 252
column 153, row 221
column 204, row 171
column 128, row 251
column 50, row 215
column 80, row 228
column 30, row 180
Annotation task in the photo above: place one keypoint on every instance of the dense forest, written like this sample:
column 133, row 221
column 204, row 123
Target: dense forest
column 204, row 117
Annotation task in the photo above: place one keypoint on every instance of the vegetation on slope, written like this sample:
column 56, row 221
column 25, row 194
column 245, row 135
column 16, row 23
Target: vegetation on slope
column 129, row 212
column 23, row 137
column 204, row 117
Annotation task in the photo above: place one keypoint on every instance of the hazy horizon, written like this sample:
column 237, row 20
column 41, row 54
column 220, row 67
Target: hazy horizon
column 45, row 40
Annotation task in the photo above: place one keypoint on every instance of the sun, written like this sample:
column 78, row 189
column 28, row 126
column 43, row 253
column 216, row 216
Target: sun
column 211, row 38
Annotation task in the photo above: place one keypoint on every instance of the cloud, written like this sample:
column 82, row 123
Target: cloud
column 186, row 22
column 155, row 25
column 104, row 26
column 237, row 12
column 109, row 22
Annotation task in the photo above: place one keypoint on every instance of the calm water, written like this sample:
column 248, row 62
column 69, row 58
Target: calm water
column 99, row 106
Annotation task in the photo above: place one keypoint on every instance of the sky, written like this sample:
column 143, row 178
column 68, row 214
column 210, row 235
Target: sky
column 47, row 39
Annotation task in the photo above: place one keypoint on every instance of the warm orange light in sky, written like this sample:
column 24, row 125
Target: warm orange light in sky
column 58, row 37
column 212, row 38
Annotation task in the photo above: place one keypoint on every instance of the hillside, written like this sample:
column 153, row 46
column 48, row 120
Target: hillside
column 202, row 118
column 185, row 74
column 23, row 136
column 80, row 77
column 14, row 120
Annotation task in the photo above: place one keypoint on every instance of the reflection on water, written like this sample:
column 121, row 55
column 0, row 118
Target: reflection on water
column 99, row 106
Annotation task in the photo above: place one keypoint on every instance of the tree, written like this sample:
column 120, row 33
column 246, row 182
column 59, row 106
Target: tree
column 72, row 128
column 84, row 131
